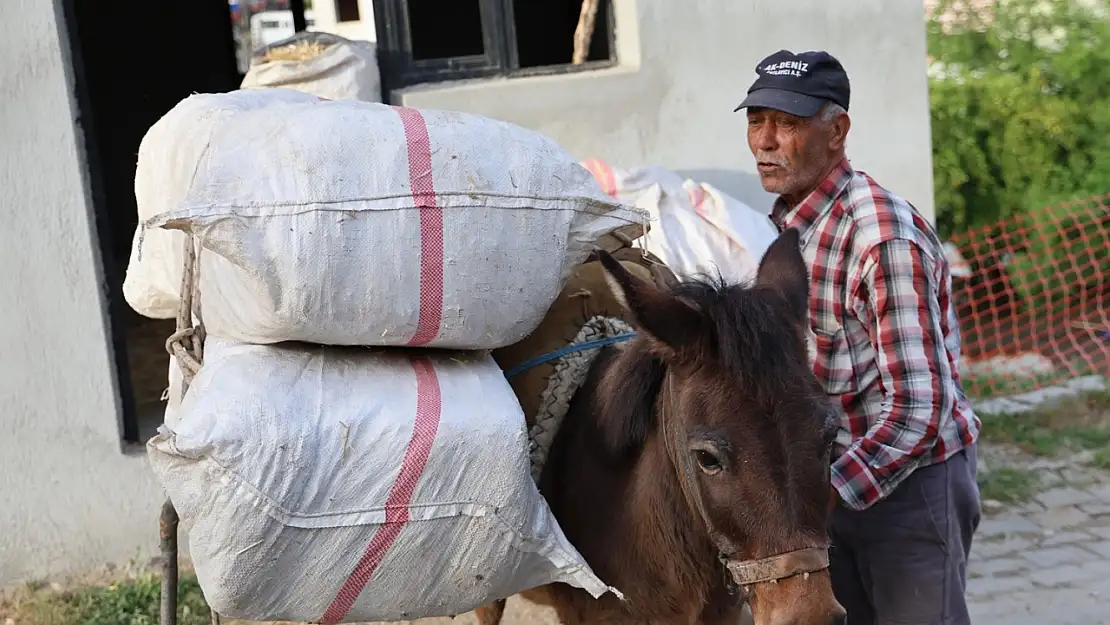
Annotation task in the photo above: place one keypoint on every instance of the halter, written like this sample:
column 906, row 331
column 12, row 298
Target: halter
column 744, row 573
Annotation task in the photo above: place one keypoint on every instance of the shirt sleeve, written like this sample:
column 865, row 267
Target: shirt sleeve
column 897, row 300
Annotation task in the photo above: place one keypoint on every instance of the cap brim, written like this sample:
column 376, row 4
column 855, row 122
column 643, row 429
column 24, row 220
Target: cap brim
column 786, row 101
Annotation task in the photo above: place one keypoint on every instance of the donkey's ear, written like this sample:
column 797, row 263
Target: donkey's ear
column 784, row 269
column 672, row 324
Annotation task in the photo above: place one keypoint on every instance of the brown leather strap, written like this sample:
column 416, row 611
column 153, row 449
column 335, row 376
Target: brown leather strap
column 781, row 566
column 630, row 253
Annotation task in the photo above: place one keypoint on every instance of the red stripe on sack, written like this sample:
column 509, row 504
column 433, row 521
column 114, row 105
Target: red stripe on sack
column 428, row 406
column 431, row 226
column 697, row 198
column 603, row 173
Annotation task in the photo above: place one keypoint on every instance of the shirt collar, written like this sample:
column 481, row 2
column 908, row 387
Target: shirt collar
column 816, row 204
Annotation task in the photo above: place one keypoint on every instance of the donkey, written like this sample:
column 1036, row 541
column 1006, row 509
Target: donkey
column 692, row 469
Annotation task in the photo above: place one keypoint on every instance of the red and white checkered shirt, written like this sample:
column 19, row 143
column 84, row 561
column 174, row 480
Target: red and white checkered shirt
column 885, row 331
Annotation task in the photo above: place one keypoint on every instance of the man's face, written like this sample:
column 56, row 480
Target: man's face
column 792, row 153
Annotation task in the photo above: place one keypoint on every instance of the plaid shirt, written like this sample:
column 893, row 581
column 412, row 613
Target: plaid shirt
column 885, row 333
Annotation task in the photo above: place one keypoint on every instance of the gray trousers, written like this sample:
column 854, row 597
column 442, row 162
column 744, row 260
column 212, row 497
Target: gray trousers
column 903, row 561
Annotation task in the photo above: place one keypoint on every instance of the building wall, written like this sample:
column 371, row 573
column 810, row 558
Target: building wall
column 70, row 498
column 327, row 20
column 684, row 66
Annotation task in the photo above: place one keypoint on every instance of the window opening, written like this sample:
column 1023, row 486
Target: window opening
column 545, row 32
column 442, row 29
column 347, row 11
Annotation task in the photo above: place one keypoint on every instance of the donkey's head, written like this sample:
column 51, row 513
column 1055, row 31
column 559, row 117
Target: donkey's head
column 721, row 376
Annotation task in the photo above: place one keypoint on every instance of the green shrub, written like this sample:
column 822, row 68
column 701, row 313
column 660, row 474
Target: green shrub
column 1020, row 100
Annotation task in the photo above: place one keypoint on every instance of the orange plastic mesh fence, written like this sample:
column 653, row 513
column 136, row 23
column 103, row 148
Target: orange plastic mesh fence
column 1033, row 297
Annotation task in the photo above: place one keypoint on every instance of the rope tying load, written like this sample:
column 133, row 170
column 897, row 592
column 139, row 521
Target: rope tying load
column 187, row 343
column 572, row 364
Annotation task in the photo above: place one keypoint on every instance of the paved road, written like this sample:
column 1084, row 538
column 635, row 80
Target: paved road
column 1044, row 563
column 1047, row 562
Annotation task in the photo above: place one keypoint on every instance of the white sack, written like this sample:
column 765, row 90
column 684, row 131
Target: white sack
column 695, row 227
column 168, row 157
column 347, row 69
column 354, row 223
column 329, row 484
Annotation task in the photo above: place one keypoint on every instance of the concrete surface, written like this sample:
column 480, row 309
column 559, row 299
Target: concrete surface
column 683, row 68
column 1047, row 562
column 69, row 497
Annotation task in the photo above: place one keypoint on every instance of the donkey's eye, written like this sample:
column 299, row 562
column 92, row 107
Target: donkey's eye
column 707, row 461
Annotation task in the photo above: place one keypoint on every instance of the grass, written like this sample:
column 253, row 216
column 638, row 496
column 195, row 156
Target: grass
column 1068, row 425
column 1008, row 485
column 131, row 602
column 1071, row 424
column 983, row 386
column 1102, row 459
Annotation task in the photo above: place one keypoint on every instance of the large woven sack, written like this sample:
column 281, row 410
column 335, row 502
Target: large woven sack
column 331, row 484
column 169, row 155
column 322, row 64
column 355, row 223
column 696, row 229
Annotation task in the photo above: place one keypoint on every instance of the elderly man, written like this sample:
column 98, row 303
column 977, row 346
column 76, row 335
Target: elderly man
column 905, row 503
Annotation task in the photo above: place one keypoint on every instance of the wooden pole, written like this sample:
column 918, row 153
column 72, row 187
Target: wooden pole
column 584, row 32
column 167, row 540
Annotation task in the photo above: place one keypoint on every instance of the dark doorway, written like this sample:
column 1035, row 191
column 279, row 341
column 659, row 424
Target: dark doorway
column 134, row 60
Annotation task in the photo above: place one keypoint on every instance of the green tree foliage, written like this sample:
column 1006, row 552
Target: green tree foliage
column 1020, row 98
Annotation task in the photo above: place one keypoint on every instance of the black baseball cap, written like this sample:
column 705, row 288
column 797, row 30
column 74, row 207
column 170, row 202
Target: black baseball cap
column 798, row 84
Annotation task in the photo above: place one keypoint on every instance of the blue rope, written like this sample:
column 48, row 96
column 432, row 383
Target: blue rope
column 571, row 349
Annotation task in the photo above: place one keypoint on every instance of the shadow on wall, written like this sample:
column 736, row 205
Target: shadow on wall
column 742, row 185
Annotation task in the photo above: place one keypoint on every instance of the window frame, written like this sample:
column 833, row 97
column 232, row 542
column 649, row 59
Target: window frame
column 400, row 70
column 340, row 7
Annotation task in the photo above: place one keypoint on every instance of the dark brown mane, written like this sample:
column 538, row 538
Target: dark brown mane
column 750, row 337
column 749, row 340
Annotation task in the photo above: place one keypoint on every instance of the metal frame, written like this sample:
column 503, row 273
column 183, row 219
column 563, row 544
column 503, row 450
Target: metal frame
column 400, row 70
column 111, row 279
column 299, row 21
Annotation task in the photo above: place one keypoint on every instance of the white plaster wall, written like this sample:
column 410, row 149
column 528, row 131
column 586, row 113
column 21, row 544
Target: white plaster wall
column 686, row 65
column 361, row 29
column 69, row 498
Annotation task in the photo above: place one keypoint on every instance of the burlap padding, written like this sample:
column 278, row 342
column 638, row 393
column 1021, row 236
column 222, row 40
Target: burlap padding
column 586, row 295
